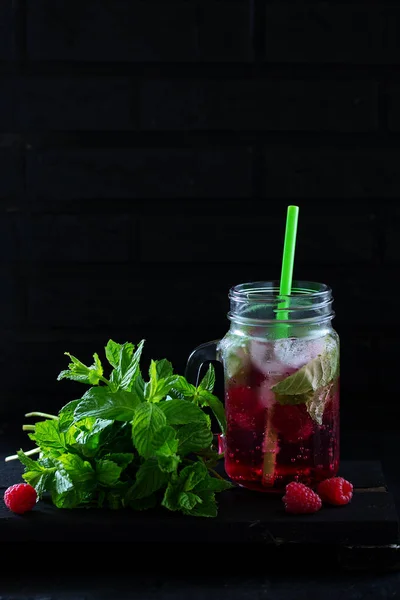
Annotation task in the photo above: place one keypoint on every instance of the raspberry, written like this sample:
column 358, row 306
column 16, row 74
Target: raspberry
column 20, row 498
column 335, row 490
column 300, row 499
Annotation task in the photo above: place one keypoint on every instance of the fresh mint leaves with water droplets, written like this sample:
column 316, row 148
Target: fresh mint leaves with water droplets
column 128, row 442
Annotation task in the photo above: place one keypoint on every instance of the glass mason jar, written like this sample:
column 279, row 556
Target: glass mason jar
column 281, row 375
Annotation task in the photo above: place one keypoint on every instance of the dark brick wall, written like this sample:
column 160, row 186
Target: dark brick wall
column 148, row 152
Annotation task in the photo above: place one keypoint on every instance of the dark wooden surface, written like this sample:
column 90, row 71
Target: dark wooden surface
column 83, row 569
column 243, row 517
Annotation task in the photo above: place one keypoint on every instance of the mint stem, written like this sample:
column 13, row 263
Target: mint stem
column 217, row 475
column 28, row 428
column 41, row 414
column 28, row 453
column 270, row 451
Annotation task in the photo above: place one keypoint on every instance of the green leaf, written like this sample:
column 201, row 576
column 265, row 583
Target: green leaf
column 193, row 437
column 48, row 436
column 29, row 463
column 149, row 479
column 100, row 402
column 182, row 412
column 80, row 372
column 166, row 445
column 208, row 381
column 66, row 415
column 192, row 475
column 107, row 472
column 147, row 420
column 164, row 369
column 36, row 474
column 207, row 508
column 113, row 351
column 218, row 409
column 73, row 483
column 184, row 387
column 171, row 495
column 213, row 484
column 87, row 435
column 165, row 441
column 129, row 366
column 315, row 374
column 182, row 495
column 318, row 401
column 122, row 459
column 168, row 463
column 80, row 471
column 188, row 500
column 157, row 388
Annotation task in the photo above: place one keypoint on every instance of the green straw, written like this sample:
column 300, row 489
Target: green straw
column 271, row 447
column 289, row 247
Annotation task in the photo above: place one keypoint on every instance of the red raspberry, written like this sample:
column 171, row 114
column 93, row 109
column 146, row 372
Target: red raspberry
column 300, row 499
column 335, row 490
column 20, row 498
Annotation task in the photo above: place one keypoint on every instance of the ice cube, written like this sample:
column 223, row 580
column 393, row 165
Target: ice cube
column 298, row 352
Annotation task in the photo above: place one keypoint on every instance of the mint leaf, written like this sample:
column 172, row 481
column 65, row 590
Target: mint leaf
column 66, row 415
column 107, row 472
column 188, row 500
column 80, row 372
column 218, row 409
column 166, row 445
column 149, row 479
column 183, row 387
column 36, row 474
column 79, row 470
column 113, row 351
column 213, row 484
column 87, row 435
column 191, row 476
column 148, row 419
column 165, row 441
column 193, row 437
column 129, row 365
column 48, row 436
column 122, row 459
column 100, row 402
column 181, row 495
column 157, row 388
column 73, row 482
column 316, row 374
column 208, row 381
column 207, row 507
column 317, row 403
column 163, row 368
column 182, row 412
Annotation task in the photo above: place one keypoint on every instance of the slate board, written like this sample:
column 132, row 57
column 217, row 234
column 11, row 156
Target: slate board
column 366, row 531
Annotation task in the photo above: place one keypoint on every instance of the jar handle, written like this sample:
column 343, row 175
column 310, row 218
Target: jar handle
column 204, row 353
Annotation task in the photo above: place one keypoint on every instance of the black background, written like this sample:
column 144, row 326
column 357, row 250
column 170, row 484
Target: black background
column 148, row 152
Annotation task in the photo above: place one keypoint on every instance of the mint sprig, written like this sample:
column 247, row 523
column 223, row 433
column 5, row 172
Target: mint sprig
column 130, row 442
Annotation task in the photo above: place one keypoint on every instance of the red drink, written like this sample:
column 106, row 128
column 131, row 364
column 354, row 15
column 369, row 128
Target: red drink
column 273, row 436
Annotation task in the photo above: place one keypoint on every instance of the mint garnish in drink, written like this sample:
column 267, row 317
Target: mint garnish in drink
column 311, row 385
column 128, row 442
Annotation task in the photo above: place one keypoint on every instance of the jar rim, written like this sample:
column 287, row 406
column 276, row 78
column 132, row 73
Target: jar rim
column 266, row 291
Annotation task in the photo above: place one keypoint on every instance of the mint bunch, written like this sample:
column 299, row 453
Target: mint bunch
column 130, row 442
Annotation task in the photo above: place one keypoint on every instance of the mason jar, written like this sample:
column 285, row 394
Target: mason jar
column 281, row 385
